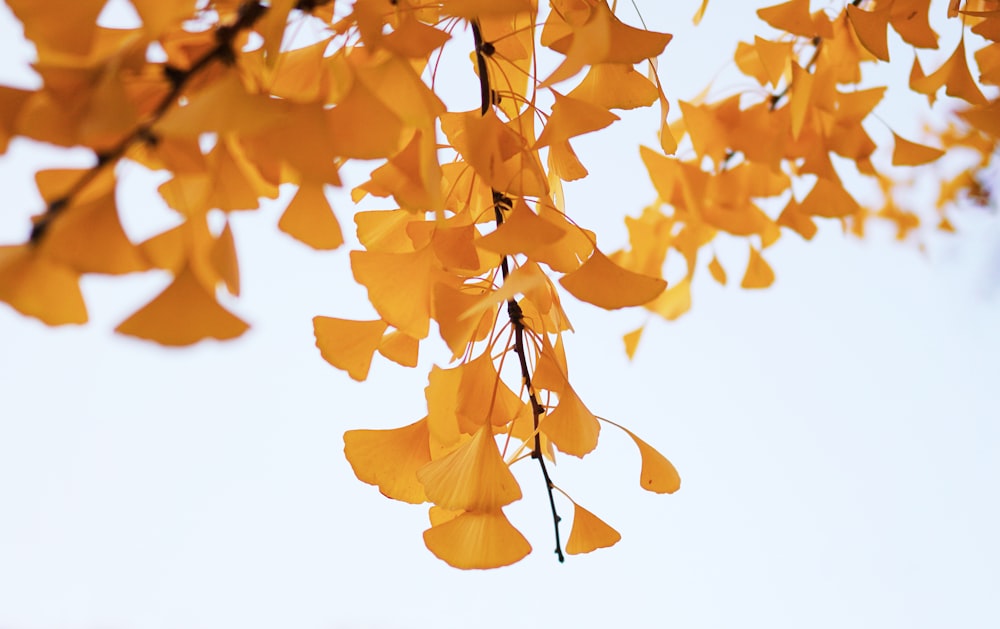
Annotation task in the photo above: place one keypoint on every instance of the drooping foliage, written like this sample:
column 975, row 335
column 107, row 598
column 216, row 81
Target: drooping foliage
column 231, row 101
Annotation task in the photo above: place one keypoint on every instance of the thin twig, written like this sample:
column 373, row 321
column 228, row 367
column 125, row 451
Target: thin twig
column 502, row 202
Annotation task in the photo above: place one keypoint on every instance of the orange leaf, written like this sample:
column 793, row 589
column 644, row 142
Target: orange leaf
column 632, row 342
column 183, row 314
column 589, row 533
column 759, row 273
column 389, row 459
column 658, row 474
column 398, row 286
column 571, row 426
column 474, row 477
column 348, row 345
column 400, row 348
column 605, row 284
column 906, row 153
column 871, row 28
column 310, row 220
column 477, row 540
column 718, row 273
column 38, row 287
column 572, row 117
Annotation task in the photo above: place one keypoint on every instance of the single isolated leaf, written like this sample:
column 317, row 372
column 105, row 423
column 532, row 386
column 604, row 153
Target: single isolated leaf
column 759, row 273
column 871, row 28
column 632, row 341
column 571, row 426
column 400, row 348
column 658, row 474
column 718, row 273
column 398, row 286
column 589, row 533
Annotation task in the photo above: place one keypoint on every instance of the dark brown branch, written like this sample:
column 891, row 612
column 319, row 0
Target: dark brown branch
column 502, row 202
column 223, row 51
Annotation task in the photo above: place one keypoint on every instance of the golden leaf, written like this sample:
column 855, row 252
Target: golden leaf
column 589, row 533
column 473, row 478
column 389, row 459
column 607, row 285
column 348, row 345
column 477, row 540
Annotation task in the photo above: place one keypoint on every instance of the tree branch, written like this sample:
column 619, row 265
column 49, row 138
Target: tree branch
column 502, row 202
column 248, row 14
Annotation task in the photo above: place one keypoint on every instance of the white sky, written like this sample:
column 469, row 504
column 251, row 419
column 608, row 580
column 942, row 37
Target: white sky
column 836, row 435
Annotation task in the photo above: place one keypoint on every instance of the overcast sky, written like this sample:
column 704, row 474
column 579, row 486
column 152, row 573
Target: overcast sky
column 836, row 434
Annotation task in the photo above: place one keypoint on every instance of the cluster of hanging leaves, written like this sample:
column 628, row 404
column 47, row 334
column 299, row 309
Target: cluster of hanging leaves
column 772, row 158
column 221, row 97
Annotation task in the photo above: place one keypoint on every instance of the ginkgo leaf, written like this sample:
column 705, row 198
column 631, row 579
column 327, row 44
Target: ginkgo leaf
column 449, row 305
column 522, row 232
column 224, row 261
column 906, row 153
column 792, row 17
column 632, row 341
column 471, row 9
column 477, row 541
column 389, row 459
column 88, row 237
column 473, row 478
column 38, row 287
column 362, row 126
column 589, row 533
column 758, row 273
column 482, row 397
column 871, row 28
column 615, row 86
column 718, row 273
column 441, row 394
column 69, row 29
column 400, row 348
column 605, row 284
column 310, row 219
column 347, row 344
column 183, row 314
column 572, row 117
column 829, row 199
column 658, row 474
column 398, row 286
column 795, row 219
column 571, row 426
column 910, row 18
column 774, row 57
column 673, row 302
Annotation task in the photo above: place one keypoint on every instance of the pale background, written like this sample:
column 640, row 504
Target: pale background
column 836, row 434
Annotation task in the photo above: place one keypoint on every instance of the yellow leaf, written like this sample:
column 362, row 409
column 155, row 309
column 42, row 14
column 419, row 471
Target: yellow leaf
column 774, row 58
column 477, row 540
column 88, row 237
column 473, row 478
column 348, row 345
column 792, row 17
column 910, row 18
column 906, row 153
column 183, row 314
column 35, row 286
column 572, row 117
column 615, row 86
column 674, row 301
column 871, row 28
column 399, row 286
column 389, row 459
column 522, row 232
column 658, row 474
column 400, row 348
column 571, row 426
column 829, row 199
column 632, row 341
column 449, row 306
column 605, row 284
column 718, row 273
column 363, row 127
column 224, row 261
column 759, row 273
column 482, row 397
column 310, row 219
column 589, row 533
